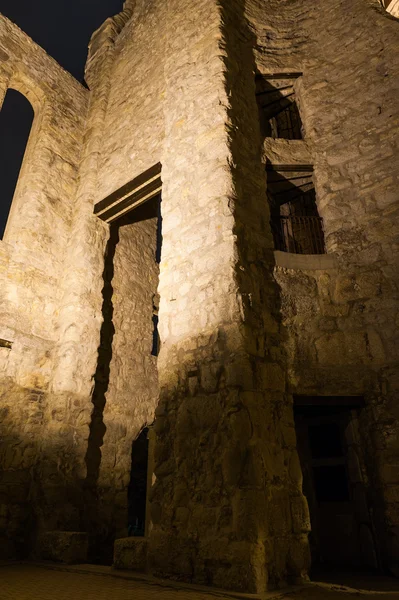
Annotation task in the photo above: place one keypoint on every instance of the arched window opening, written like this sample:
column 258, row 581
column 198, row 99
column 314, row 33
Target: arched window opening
column 392, row 6
column 278, row 112
column 295, row 221
column 16, row 118
column 137, row 491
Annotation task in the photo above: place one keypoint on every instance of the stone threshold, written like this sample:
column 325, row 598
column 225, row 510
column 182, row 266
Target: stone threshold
column 305, row 262
column 105, row 571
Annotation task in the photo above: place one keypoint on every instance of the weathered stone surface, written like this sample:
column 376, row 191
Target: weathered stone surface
column 175, row 83
column 31, row 258
column 63, row 546
column 130, row 553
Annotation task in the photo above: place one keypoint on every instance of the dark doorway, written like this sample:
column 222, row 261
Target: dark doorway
column 16, row 118
column 331, row 455
column 137, row 491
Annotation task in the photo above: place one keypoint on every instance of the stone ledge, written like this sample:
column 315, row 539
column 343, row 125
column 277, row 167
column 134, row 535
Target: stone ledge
column 69, row 547
column 286, row 152
column 130, row 554
column 305, row 262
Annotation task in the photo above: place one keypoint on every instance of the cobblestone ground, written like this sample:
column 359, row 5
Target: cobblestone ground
column 27, row 582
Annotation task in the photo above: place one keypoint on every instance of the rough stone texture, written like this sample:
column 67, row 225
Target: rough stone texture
column 225, row 449
column 135, row 102
column 130, row 553
column 117, row 157
column 63, row 546
column 32, row 254
column 239, row 333
column 342, row 322
column 132, row 394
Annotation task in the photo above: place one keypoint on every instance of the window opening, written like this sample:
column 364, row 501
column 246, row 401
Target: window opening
column 156, row 341
column 278, row 112
column 155, row 320
column 137, row 491
column 16, row 118
column 295, row 221
column 138, row 199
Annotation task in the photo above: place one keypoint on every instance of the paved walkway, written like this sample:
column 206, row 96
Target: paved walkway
column 29, row 582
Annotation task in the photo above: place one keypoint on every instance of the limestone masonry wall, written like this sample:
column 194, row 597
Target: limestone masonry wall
column 342, row 323
column 132, row 394
column 174, row 82
column 133, row 127
column 32, row 254
column 127, row 81
column 227, row 507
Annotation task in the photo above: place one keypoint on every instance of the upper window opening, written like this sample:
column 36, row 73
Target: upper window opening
column 295, row 221
column 278, row 112
column 392, row 6
column 156, row 342
column 16, row 118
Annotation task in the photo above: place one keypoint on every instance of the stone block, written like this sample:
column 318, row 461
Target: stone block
column 130, row 553
column 298, row 560
column 68, row 547
column 272, row 377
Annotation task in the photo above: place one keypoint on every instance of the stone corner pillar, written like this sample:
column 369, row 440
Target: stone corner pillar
column 227, row 507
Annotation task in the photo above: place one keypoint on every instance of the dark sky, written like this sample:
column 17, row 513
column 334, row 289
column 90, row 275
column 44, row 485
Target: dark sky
column 62, row 27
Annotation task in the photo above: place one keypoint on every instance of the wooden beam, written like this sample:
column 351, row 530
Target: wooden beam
column 134, row 193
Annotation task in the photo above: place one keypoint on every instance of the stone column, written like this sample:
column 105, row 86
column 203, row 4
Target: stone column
column 227, row 507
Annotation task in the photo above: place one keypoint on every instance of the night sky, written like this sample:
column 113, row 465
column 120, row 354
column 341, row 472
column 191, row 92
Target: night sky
column 63, row 28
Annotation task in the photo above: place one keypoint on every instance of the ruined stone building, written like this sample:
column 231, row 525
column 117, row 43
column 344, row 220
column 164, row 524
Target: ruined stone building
column 199, row 293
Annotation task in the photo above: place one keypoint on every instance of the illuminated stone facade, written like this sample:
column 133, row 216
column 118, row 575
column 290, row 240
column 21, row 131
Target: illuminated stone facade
column 243, row 329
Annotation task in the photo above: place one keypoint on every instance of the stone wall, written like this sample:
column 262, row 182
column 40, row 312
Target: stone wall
column 227, row 507
column 124, row 137
column 132, row 394
column 32, row 254
column 133, row 127
column 175, row 85
column 342, row 322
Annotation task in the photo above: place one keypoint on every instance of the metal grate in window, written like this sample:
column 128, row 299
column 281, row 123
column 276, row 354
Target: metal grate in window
column 295, row 221
column 278, row 112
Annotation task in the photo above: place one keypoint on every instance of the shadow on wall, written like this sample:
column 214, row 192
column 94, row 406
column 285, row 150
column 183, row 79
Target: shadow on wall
column 18, row 521
column 36, row 493
column 100, row 536
column 101, row 376
column 101, row 383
